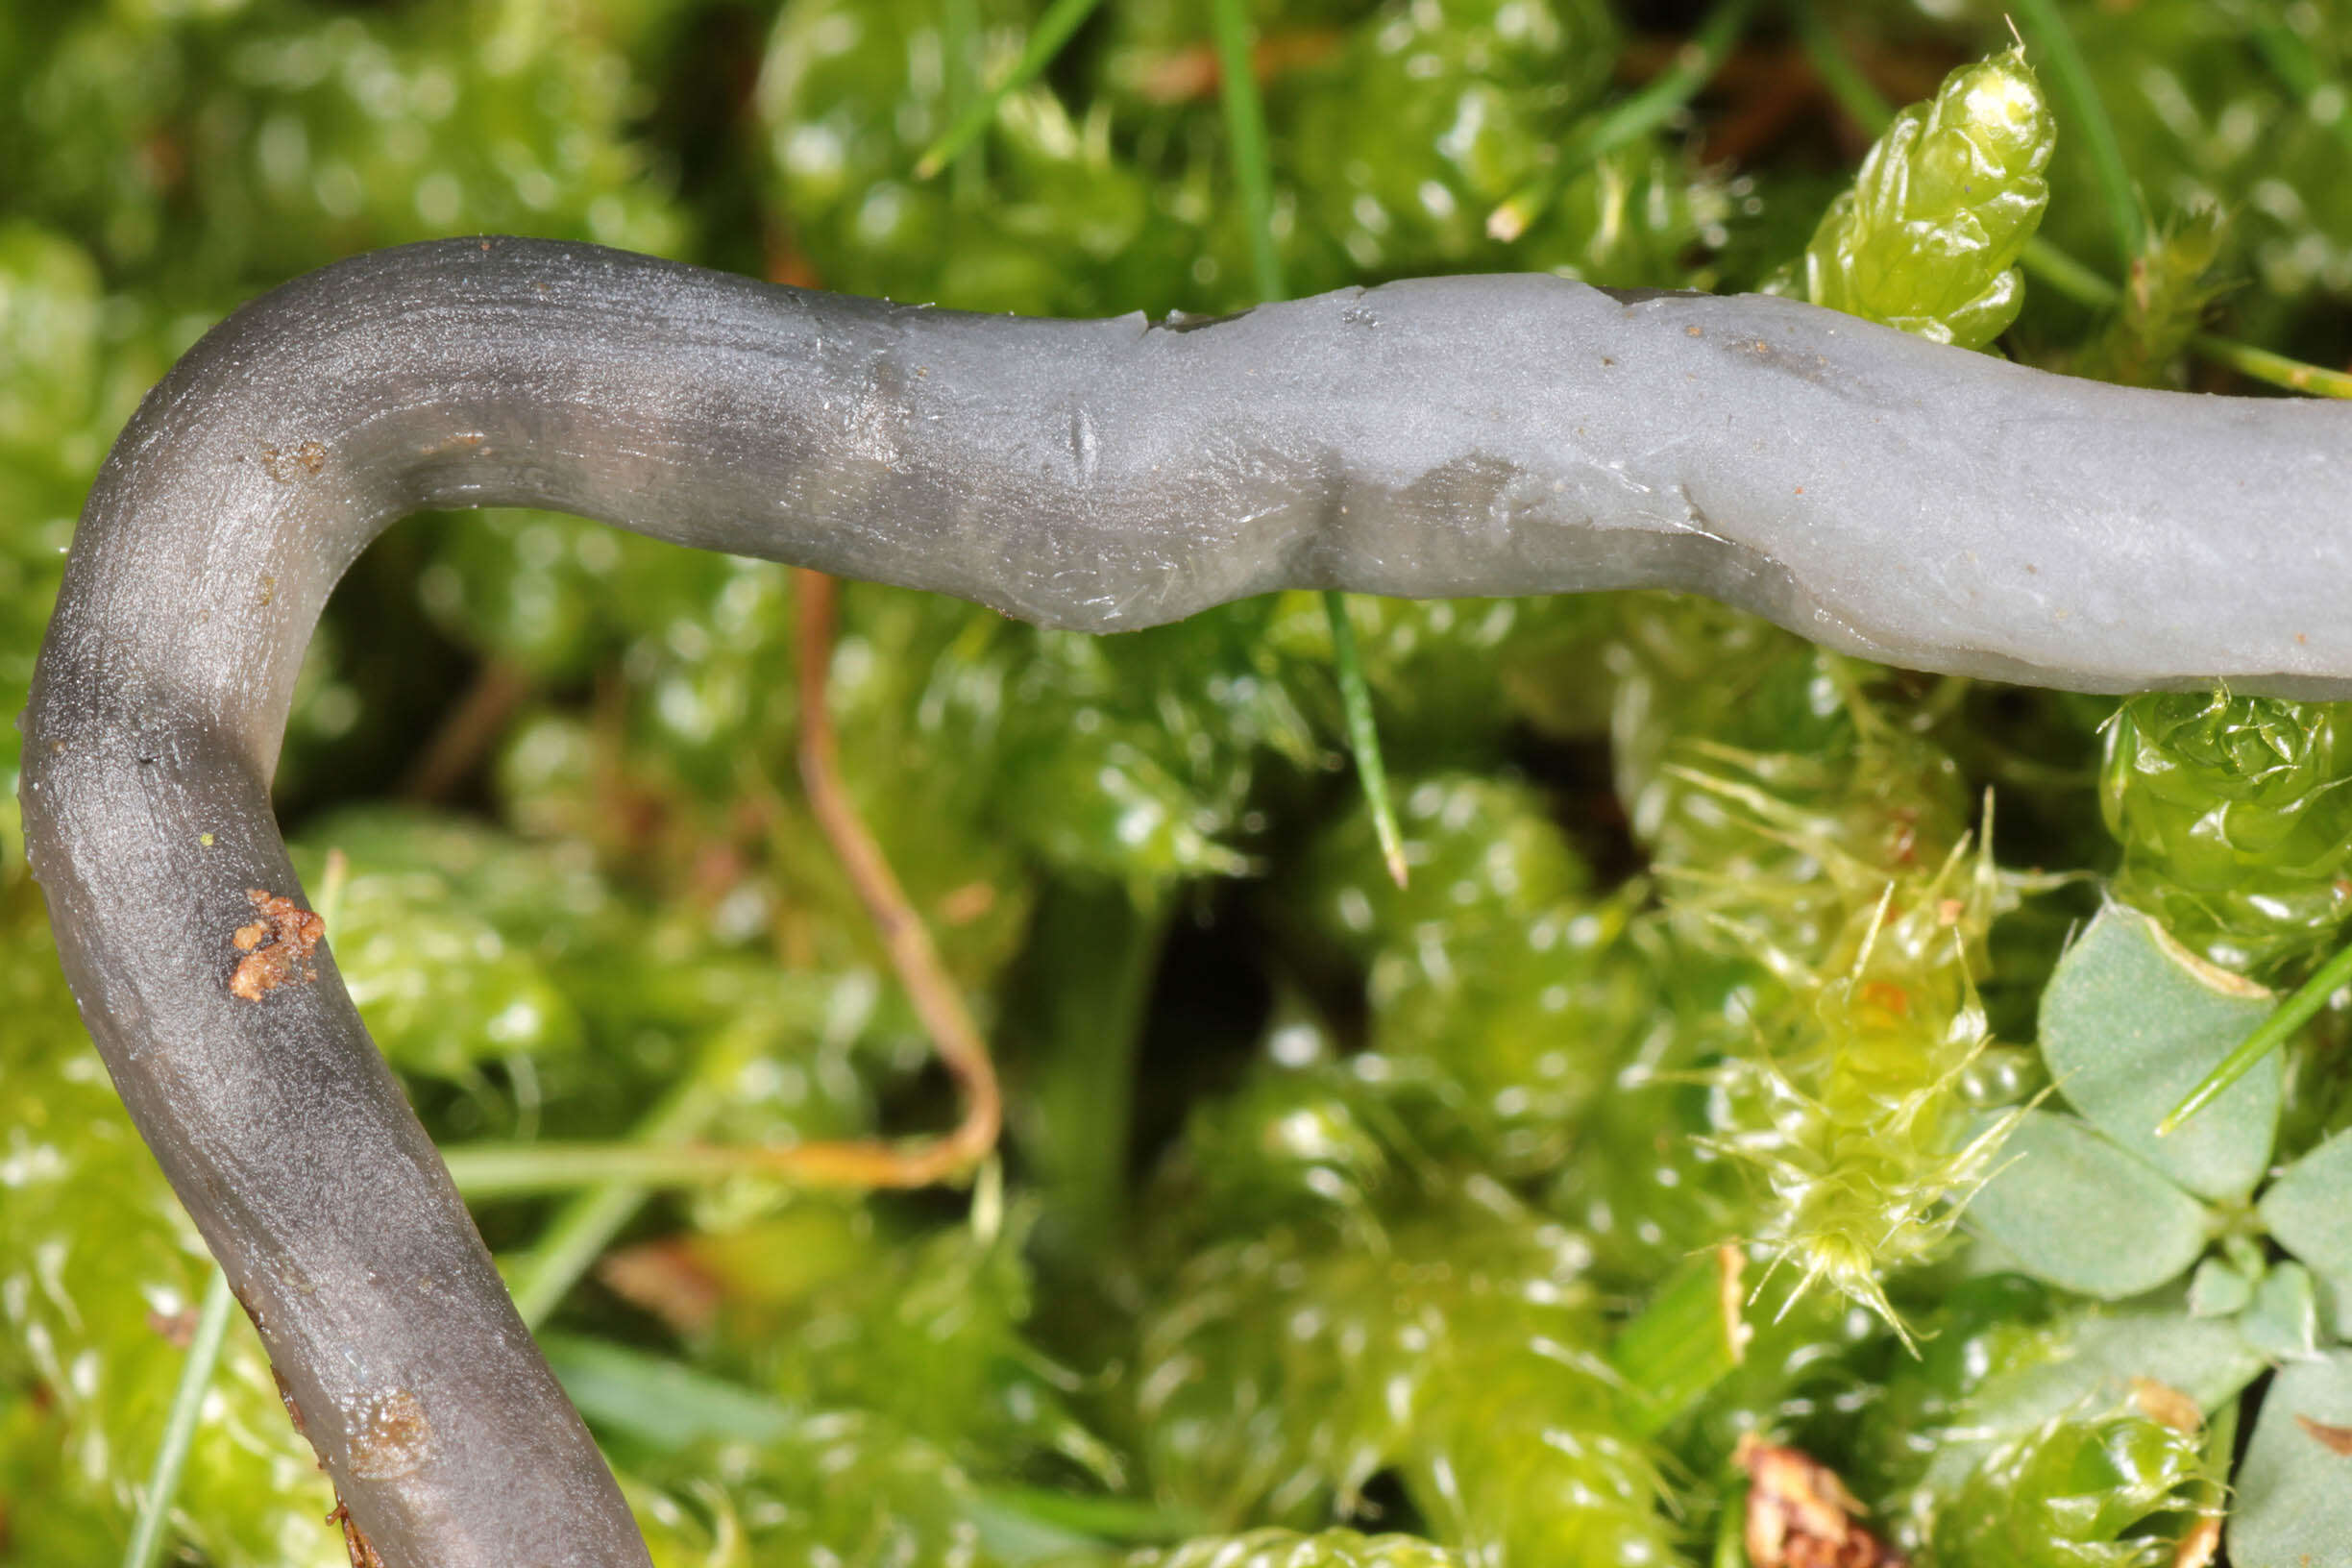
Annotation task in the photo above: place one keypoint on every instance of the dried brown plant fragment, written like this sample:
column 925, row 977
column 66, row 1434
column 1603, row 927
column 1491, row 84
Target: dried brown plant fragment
column 666, row 1279
column 2167, row 1406
column 176, row 1329
column 277, row 946
column 1800, row 1515
column 2335, row 1439
column 1732, row 1301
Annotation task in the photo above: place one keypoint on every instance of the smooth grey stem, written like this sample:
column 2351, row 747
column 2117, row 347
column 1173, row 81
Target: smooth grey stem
column 1467, row 435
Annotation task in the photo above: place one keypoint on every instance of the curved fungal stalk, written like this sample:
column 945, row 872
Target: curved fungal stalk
column 1472, row 436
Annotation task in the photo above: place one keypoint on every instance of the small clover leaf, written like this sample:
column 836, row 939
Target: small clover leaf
column 2080, row 1213
column 2305, row 1211
column 2220, row 1288
column 2102, row 1205
column 2101, row 1358
column 2131, row 1023
column 2294, row 1492
column 2283, row 1320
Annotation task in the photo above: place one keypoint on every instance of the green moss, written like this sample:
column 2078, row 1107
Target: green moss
column 1928, row 238
column 1282, row 1548
column 837, row 1488
column 1428, row 115
column 99, row 1269
column 1278, row 1376
column 2233, row 814
column 2067, row 1496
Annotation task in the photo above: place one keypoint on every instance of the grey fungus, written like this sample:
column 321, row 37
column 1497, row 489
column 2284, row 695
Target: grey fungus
column 1917, row 504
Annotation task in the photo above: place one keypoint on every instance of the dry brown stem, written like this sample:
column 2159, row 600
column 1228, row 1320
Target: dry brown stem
column 904, row 938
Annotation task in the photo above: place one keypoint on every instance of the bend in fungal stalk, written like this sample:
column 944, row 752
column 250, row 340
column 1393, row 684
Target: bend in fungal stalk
column 1439, row 437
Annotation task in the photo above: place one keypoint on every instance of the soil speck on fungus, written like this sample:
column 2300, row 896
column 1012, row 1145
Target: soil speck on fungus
column 277, row 946
column 390, row 1435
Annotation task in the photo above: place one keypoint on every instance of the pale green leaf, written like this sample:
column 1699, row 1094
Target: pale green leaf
column 661, row 1403
column 2220, row 1289
column 2106, row 1352
column 2294, row 1493
column 2308, row 1212
column 2131, row 1023
column 2283, row 1322
column 2078, row 1211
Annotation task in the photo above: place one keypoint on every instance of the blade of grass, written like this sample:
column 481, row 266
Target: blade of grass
column 1095, row 952
column 670, row 1405
column 1862, row 102
column 586, row 1225
column 1053, row 30
column 2276, row 1030
column 1252, row 170
column 2277, row 368
column 1689, row 1337
column 149, row 1530
column 1695, row 67
column 960, row 47
column 2079, row 282
column 661, row 1403
column 1127, row 1521
column 1363, row 735
column 1245, row 128
column 511, row 1170
column 1032, row 1528
column 1731, row 1528
column 2089, row 112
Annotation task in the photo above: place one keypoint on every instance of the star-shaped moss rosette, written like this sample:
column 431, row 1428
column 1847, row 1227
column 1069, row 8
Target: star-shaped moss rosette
column 2094, row 1200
